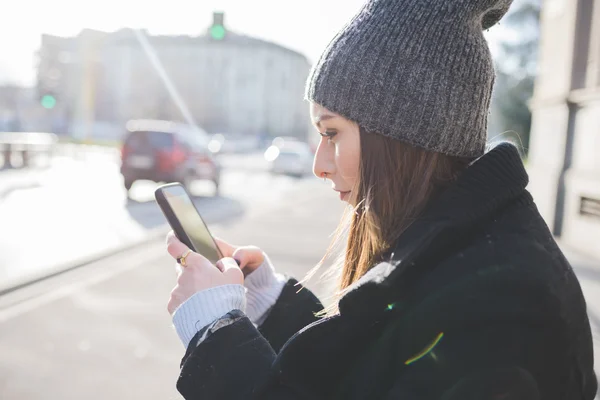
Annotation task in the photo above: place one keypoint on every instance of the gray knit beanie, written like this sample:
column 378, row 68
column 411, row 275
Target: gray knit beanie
column 415, row 70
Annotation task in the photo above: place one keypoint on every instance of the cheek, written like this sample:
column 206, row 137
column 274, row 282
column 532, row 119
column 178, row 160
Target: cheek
column 348, row 158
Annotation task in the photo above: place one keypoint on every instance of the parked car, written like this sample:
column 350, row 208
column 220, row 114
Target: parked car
column 167, row 156
column 295, row 159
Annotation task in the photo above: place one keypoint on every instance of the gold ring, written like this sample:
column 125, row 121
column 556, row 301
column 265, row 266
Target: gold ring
column 181, row 260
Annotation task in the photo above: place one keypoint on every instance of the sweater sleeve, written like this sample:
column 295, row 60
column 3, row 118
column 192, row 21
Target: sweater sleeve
column 264, row 286
column 205, row 307
column 241, row 353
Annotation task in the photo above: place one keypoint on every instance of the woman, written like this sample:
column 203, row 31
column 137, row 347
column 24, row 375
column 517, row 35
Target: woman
column 451, row 287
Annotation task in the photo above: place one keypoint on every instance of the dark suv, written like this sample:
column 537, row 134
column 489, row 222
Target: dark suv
column 167, row 157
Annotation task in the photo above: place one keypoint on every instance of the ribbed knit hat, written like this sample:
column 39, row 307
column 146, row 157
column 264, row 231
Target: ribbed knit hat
column 415, row 70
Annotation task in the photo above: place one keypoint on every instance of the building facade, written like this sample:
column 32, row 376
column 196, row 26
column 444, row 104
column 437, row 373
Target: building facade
column 20, row 111
column 230, row 84
column 564, row 157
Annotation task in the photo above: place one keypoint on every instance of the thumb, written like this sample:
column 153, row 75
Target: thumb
column 249, row 256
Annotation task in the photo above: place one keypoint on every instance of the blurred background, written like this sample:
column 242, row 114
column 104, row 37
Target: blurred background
column 100, row 102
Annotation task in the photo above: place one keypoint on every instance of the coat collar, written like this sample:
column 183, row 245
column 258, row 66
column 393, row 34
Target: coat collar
column 490, row 183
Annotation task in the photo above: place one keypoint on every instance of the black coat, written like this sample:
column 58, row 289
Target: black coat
column 479, row 304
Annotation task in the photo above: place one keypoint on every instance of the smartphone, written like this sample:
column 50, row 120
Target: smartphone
column 185, row 220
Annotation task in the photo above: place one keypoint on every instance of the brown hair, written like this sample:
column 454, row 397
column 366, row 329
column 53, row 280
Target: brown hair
column 395, row 183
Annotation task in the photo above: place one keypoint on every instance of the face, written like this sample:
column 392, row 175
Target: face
column 338, row 154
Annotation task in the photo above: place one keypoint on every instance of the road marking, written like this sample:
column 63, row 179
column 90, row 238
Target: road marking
column 126, row 262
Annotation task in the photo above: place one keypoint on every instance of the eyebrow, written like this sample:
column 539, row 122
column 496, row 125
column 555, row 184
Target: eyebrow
column 322, row 118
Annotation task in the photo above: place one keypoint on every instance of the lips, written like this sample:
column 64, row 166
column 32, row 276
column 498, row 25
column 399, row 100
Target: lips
column 343, row 195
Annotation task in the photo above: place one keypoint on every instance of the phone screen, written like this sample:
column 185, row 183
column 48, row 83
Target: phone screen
column 192, row 223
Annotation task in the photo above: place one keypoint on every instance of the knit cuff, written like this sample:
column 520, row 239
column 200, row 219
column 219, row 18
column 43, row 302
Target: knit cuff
column 205, row 307
column 264, row 287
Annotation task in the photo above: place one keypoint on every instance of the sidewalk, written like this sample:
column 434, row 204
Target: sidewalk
column 72, row 211
column 16, row 179
column 102, row 331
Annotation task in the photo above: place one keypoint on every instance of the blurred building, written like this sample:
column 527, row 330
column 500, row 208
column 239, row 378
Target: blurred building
column 10, row 108
column 20, row 110
column 231, row 83
column 66, row 77
column 564, row 157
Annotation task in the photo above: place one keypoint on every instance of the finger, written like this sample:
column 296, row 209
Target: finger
column 249, row 256
column 178, row 269
column 170, row 234
column 221, row 264
column 227, row 263
column 227, row 249
column 177, row 249
column 174, row 247
column 174, row 300
column 195, row 260
column 231, row 269
column 243, row 256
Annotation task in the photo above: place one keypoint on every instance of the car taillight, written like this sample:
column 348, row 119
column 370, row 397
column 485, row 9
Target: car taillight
column 178, row 154
column 169, row 159
column 203, row 159
column 124, row 151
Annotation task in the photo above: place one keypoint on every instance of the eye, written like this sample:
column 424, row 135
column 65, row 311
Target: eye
column 329, row 135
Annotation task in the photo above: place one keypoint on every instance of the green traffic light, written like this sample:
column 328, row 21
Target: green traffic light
column 217, row 32
column 48, row 102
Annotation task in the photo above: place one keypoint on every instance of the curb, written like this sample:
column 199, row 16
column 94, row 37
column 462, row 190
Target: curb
column 152, row 234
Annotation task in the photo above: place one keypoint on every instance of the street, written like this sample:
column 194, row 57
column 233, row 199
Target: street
column 102, row 331
column 78, row 208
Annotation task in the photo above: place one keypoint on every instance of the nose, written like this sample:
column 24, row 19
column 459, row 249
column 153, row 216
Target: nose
column 323, row 164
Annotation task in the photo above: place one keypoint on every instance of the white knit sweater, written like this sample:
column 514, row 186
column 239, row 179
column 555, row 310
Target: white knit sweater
column 261, row 289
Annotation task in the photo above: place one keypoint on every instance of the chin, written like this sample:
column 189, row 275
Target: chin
column 345, row 196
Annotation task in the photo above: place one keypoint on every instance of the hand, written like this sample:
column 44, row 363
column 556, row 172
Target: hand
column 199, row 273
column 249, row 257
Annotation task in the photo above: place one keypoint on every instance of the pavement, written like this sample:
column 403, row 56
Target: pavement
column 75, row 209
column 15, row 179
column 102, row 330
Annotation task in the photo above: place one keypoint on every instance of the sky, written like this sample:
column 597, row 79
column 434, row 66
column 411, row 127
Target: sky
column 302, row 25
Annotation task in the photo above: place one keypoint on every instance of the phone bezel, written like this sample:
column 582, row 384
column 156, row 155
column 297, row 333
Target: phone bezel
column 172, row 219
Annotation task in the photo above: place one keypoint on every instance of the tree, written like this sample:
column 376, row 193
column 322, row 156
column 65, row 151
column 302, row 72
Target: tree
column 516, row 69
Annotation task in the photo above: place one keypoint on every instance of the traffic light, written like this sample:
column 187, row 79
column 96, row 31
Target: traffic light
column 217, row 32
column 48, row 101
